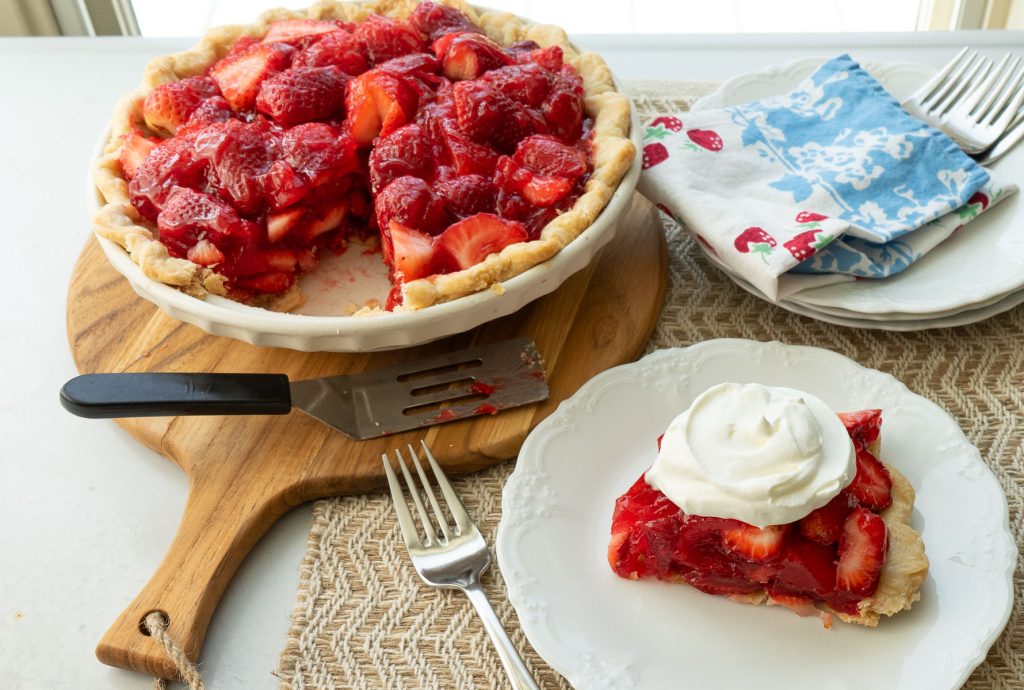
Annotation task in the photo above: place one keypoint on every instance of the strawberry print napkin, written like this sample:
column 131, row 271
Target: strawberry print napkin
column 831, row 182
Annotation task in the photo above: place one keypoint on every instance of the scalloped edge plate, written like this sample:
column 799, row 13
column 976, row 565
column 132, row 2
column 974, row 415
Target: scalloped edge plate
column 924, row 289
column 602, row 631
column 885, row 322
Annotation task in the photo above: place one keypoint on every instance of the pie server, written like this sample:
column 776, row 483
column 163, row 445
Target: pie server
column 470, row 382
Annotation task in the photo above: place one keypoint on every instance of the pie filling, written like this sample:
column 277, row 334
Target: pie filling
column 832, row 556
column 423, row 133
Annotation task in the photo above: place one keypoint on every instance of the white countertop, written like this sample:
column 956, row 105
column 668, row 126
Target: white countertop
column 87, row 511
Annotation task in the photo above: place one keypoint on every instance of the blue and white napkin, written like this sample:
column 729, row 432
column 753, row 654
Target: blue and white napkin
column 831, row 182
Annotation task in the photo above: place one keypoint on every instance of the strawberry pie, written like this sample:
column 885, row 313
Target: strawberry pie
column 766, row 496
column 470, row 146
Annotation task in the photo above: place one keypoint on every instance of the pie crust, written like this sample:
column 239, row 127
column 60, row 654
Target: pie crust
column 612, row 154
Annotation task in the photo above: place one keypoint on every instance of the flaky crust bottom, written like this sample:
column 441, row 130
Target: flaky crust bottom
column 613, row 153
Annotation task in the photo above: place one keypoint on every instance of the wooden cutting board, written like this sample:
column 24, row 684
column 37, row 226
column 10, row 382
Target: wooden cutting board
column 245, row 472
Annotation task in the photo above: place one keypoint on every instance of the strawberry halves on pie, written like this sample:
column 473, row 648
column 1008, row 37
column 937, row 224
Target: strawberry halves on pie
column 451, row 146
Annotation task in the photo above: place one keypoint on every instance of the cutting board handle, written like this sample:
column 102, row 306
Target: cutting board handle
column 223, row 519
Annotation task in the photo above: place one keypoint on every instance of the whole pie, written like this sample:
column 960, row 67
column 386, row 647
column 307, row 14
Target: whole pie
column 473, row 146
column 857, row 557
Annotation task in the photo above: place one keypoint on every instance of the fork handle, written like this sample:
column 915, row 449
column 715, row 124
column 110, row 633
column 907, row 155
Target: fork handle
column 516, row 669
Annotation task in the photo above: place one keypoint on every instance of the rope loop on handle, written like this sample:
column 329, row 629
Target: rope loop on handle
column 156, row 623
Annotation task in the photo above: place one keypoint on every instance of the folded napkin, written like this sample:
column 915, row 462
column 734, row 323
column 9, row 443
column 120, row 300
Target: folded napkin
column 831, row 182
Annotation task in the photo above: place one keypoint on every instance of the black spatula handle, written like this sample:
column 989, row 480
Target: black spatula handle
column 106, row 396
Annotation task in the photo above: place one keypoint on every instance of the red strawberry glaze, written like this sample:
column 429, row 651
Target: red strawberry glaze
column 652, row 537
column 324, row 130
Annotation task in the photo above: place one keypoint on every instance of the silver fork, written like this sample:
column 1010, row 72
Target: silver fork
column 453, row 558
column 933, row 101
column 979, row 119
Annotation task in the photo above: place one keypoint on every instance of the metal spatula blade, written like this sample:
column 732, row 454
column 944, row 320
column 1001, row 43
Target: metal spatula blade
column 475, row 381
column 467, row 383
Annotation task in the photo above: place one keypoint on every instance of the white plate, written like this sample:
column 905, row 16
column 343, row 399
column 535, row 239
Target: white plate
column 355, row 277
column 890, row 321
column 602, row 631
column 984, row 261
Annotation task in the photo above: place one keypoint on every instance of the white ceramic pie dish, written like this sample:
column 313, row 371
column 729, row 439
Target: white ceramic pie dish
column 602, row 631
column 348, row 279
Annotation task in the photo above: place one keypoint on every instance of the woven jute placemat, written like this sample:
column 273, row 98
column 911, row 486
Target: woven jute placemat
column 364, row 620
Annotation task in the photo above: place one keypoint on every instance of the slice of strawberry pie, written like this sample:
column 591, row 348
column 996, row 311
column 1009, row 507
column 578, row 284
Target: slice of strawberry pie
column 765, row 496
column 470, row 146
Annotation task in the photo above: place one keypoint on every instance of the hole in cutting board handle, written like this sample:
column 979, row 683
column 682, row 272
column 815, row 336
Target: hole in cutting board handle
column 144, row 629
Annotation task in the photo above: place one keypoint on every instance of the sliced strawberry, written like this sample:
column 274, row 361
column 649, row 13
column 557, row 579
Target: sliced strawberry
column 386, row 38
column 419, row 65
column 549, row 58
column 528, row 83
column 467, row 156
column 240, row 155
column 134, row 149
column 861, row 552
column 412, row 251
column 514, row 206
column 411, row 202
column 341, row 49
column 328, row 219
column 405, row 151
column 563, row 108
column 211, row 111
column 547, row 190
column 205, row 253
column 378, row 103
column 190, row 216
column 270, row 283
column 872, row 485
column 548, row 156
column 303, row 94
column 825, row 525
column 319, row 152
column 540, row 190
column 469, row 55
column 489, row 116
column 863, row 426
column 283, row 187
column 761, row 545
column 467, row 195
column 281, row 223
column 805, row 566
column 472, row 240
column 437, row 20
column 169, row 106
column 801, row 606
column 286, row 260
column 298, row 32
column 170, row 164
column 239, row 76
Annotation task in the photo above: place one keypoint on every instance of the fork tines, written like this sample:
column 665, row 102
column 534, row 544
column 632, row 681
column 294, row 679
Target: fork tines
column 947, row 87
column 410, row 531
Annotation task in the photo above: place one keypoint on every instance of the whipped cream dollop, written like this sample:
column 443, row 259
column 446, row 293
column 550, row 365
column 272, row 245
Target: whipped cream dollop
column 760, row 454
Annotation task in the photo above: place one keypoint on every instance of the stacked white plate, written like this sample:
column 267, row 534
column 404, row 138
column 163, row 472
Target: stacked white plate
column 975, row 274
